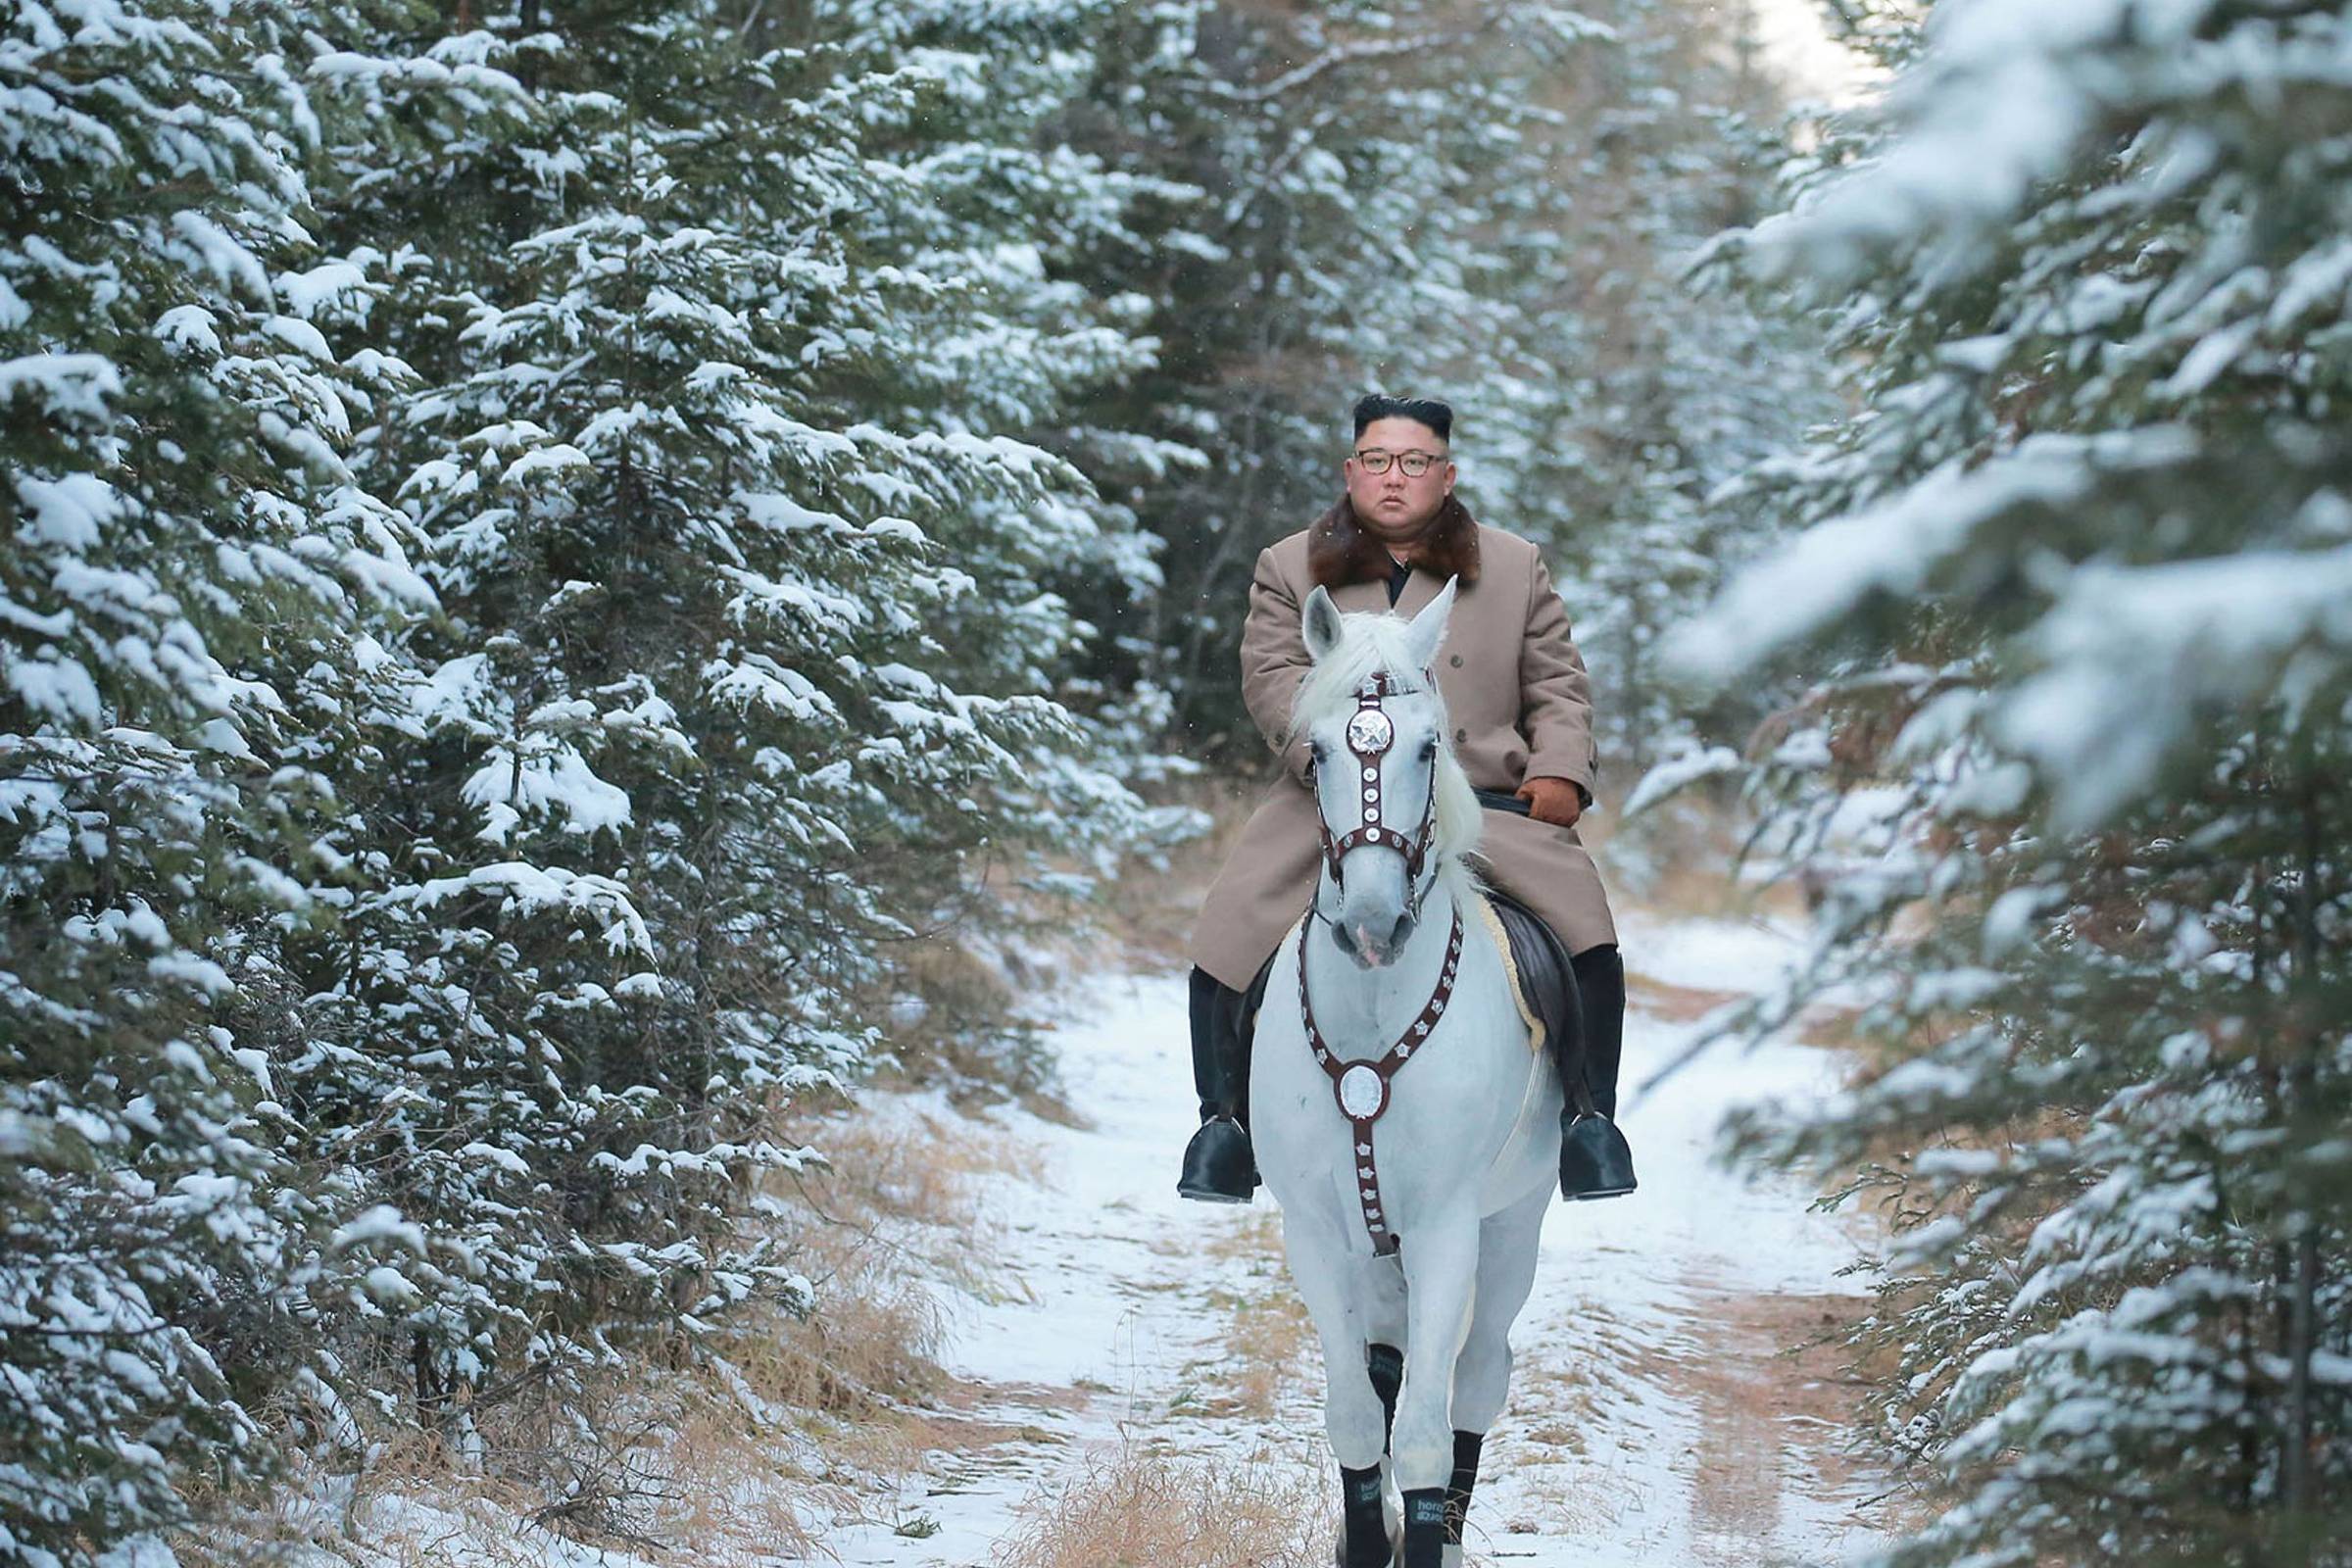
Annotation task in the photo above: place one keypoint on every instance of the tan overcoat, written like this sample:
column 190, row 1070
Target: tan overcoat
column 1515, row 689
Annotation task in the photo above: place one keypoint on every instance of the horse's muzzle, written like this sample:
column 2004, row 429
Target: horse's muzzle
column 1374, row 950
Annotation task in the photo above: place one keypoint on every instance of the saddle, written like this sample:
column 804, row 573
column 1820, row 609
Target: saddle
column 1545, row 983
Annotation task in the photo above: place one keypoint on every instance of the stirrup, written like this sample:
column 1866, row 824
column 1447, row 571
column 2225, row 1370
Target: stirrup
column 1219, row 1165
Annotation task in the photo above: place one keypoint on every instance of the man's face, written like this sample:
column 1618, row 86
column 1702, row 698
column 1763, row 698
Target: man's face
column 1395, row 505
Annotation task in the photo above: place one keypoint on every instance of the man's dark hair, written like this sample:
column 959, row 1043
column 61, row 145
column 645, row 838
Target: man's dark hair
column 1429, row 411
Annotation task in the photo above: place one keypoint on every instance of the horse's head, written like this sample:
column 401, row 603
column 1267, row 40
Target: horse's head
column 1396, row 806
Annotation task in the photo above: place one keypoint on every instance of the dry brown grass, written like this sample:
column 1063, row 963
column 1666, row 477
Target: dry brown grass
column 1139, row 1508
column 974, row 1035
column 892, row 1215
column 906, row 1187
column 696, row 1456
column 1266, row 1354
column 659, row 1465
column 664, row 1460
column 1271, row 1336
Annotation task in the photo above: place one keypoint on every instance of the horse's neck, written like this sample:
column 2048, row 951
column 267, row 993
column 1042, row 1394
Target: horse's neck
column 1360, row 1011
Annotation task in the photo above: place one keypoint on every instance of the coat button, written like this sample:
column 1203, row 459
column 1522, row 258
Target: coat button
column 1455, row 661
column 1461, row 737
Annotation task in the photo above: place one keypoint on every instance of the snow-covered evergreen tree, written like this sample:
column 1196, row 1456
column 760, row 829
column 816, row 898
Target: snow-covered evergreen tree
column 1644, row 392
column 404, row 964
column 188, row 573
column 2081, row 567
column 1486, row 203
column 746, row 682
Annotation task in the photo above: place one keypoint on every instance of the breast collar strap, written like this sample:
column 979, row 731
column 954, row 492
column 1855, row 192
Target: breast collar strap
column 1362, row 1087
column 1370, row 733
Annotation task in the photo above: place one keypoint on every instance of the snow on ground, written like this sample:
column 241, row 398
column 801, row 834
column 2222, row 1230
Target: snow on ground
column 1649, row 1420
column 1706, row 954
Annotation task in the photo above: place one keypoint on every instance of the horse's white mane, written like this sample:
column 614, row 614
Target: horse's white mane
column 1370, row 642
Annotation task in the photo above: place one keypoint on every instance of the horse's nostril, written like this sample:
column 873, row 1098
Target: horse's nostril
column 1403, row 929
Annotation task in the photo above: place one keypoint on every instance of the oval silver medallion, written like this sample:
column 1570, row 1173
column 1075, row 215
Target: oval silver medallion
column 1370, row 732
column 1361, row 1093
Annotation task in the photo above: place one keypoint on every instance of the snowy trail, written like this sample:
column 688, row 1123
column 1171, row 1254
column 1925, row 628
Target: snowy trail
column 1648, row 1423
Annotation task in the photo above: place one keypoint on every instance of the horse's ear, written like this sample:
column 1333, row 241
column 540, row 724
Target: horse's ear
column 1319, row 623
column 1428, row 630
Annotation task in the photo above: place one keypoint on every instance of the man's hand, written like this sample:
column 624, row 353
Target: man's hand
column 1552, row 800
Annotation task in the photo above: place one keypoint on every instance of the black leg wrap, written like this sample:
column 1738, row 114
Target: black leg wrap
column 1386, row 1364
column 1424, row 1528
column 1363, row 1532
column 1466, row 1446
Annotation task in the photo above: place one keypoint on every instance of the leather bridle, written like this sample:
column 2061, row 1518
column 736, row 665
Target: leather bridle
column 1370, row 733
column 1362, row 1087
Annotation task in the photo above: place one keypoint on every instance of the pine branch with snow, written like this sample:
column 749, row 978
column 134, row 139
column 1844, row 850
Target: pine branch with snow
column 2071, row 802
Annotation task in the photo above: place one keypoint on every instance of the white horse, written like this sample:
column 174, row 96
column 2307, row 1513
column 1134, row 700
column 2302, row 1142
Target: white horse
column 1410, row 1208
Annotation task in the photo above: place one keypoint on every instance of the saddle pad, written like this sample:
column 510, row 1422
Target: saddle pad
column 1544, row 985
column 1524, row 964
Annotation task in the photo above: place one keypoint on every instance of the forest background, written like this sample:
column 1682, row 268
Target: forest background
column 579, row 575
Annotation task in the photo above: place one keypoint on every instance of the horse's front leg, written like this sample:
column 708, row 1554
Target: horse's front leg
column 1507, row 1247
column 1328, row 1279
column 1441, row 1278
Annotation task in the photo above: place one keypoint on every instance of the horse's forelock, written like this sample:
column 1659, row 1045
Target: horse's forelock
column 1368, row 644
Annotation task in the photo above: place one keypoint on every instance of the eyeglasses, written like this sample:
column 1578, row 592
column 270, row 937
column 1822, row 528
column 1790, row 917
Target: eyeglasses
column 1415, row 463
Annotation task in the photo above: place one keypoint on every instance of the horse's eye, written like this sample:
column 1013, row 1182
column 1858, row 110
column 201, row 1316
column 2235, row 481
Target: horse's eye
column 1429, row 751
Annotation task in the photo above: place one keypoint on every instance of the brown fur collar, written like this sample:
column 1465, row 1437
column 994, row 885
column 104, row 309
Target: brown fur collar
column 1342, row 549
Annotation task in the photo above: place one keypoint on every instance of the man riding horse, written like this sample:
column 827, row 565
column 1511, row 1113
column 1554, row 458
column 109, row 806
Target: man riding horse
column 1516, row 688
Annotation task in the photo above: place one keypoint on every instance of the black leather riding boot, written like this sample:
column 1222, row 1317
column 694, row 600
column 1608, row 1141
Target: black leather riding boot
column 1594, row 1158
column 1219, row 1165
column 1600, row 994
